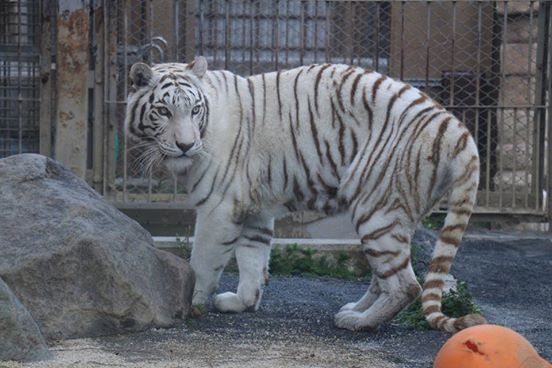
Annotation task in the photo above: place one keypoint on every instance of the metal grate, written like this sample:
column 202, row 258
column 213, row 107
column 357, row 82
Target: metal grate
column 19, row 77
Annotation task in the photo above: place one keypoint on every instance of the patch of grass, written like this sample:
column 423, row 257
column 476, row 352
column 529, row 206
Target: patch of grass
column 294, row 260
column 416, row 254
column 432, row 223
column 455, row 303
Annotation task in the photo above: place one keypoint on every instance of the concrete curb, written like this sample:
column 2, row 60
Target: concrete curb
column 348, row 245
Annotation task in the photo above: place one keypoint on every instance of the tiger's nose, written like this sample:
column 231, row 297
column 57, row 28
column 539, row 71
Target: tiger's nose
column 184, row 147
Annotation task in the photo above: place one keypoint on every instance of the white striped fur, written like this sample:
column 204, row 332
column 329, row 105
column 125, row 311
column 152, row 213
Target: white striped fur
column 330, row 138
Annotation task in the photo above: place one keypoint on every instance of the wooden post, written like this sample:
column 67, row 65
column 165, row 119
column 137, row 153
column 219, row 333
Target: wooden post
column 72, row 84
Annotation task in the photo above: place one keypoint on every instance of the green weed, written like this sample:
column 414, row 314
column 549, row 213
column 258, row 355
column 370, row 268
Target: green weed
column 455, row 303
column 294, row 260
column 432, row 223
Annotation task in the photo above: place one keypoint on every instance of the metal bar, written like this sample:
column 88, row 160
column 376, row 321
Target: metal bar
column 244, row 33
column 110, row 85
column 105, row 116
column 536, row 157
column 176, row 30
column 453, row 45
column 302, row 30
column 6, row 74
column 287, row 33
column 257, row 30
column 349, row 38
column 514, row 159
column 19, row 96
column 527, row 159
column 328, row 28
column 428, row 41
column 502, row 83
column 214, row 29
column 276, row 35
column 501, row 183
column 191, row 25
column 377, row 36
column 478, row 75
column 251, row 37
column 46, row 75
column 540, row 93
column 150, row 39
column 488, row 161
column 99, row 97
column 401, row 73
column 150, row 29
column 548, row 9
column 315, row 32
column 200, row 27
column 530, row 53
column 125, row 91
column 226, row 34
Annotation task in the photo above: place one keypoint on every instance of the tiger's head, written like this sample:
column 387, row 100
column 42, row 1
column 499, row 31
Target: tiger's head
column 167, row 113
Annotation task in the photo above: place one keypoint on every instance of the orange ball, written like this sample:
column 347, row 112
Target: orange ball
column 488, row 346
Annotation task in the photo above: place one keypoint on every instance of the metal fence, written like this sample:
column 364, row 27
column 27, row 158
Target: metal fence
column 487, row 61
column 19, row 70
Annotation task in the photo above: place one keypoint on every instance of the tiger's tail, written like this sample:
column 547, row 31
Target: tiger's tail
column 461, row 201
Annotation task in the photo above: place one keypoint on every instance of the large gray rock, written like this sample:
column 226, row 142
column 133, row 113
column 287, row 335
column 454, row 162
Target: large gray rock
column 20, row 338
column 80, row 266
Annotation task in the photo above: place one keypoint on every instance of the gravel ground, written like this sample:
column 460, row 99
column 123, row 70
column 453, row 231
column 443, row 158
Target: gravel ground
column 511, row 279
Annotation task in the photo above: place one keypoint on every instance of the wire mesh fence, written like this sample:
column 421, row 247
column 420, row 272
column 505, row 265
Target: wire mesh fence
column 486, row 61
column 19, row 74
column 479, row 59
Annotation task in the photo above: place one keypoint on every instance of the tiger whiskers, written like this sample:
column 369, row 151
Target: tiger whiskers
column 140, row 145
column 148, row 159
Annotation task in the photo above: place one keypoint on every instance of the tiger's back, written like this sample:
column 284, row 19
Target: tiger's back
column 330, row 131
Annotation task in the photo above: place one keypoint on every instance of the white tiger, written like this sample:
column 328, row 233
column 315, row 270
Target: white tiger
column 321, row 137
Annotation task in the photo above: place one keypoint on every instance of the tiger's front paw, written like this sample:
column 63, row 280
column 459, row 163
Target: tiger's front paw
column 348, row 306
column 229, row 303
column 352, row 320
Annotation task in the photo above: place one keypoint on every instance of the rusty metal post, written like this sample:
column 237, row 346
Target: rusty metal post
column 72, row 84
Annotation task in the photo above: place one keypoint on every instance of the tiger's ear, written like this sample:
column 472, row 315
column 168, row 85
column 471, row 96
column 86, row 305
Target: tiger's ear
column 198, row 66
column 141, row 75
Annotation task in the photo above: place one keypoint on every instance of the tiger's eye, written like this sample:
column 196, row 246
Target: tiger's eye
column 163, row 111
column 195, row 110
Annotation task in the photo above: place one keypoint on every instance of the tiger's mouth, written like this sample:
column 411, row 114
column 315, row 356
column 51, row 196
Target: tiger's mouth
column 178, row 165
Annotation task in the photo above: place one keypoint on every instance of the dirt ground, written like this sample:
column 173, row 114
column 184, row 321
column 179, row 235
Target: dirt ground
column 510, row 277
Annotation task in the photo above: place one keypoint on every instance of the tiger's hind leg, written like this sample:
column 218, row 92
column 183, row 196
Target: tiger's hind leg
column 367, row 299
column 386, row 243
column 252, row 255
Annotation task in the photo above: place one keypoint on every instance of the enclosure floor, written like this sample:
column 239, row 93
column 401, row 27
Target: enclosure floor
column 510, row 279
